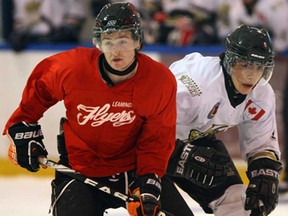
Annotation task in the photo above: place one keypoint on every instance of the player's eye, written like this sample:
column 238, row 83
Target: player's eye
column 107, row 43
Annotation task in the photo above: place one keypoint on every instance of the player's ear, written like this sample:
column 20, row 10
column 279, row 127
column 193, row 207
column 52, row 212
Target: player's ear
column 137, row 45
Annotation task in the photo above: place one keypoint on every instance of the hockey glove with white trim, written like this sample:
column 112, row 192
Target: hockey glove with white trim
column 263, row 174
column 26, row 145
column 147, row 188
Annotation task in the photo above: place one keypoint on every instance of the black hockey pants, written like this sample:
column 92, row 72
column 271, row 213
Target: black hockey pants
column 74, row 198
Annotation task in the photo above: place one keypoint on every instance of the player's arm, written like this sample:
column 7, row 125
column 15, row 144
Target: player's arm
column 22, row 129
column 154, row 147
column 157, row 139
column 259, row 144
column 38, row 95
column 263, row 173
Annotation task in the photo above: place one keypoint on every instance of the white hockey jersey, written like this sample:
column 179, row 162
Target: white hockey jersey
column 203, row 106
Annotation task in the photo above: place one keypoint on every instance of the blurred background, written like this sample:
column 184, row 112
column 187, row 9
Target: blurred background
column 31, row 30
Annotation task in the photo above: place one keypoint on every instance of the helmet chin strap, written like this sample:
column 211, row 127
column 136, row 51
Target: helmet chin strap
column 120, row 73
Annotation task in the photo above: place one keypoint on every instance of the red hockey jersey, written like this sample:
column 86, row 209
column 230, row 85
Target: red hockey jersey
column 110, row 129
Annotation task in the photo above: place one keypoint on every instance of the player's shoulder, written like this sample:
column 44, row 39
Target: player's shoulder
column 195, row 59
column 149, row 62
column 77, row 55
column 197, row 66
column 79, row 51
column 263, row 96
column 84, row 51
column 199, row 75
column 263, row 91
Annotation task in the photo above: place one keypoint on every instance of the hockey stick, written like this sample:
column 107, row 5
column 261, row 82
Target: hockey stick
column 98, row 185
column 262, row 208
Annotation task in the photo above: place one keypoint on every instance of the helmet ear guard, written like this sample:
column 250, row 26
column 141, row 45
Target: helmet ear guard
column 115, row 17
column 252, row 45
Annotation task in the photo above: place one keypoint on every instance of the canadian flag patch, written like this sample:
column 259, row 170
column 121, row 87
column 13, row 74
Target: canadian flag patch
column 253, row 111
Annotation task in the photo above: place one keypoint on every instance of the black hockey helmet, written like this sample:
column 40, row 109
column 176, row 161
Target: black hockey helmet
column 250, row 44
column 117, row 17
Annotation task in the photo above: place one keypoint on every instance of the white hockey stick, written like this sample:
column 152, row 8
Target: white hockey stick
column 98, row 185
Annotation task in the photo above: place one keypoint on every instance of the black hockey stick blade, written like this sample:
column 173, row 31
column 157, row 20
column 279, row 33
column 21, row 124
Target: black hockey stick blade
column 98, row 185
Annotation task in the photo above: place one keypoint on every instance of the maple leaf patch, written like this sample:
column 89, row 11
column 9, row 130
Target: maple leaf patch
column 253, row 111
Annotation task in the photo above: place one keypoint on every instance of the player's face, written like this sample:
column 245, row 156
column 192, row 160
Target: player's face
column 245, row 75
column 119, row 49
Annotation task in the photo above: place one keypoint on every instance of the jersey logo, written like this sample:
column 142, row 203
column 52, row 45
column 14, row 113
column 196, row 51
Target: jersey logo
column 191, row 85
column 214, row 110
column 183, row 158
column 29, row 134
column 253, row 111
column 99, row 115
column 214, row 129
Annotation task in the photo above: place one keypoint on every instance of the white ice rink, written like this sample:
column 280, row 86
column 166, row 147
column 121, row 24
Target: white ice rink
column 30, row 196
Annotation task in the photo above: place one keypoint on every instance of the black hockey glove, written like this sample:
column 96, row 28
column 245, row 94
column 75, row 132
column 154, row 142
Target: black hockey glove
column 263, row 174
column 147, row 189
column 204, row 166
column 26, row 145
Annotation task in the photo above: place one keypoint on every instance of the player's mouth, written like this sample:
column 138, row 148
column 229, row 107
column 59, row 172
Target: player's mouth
column 248, row 86
column 116, row 60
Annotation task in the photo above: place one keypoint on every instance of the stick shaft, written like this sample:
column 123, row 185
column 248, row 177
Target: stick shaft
column 98, row 185
column 262, row 208
column 75, row 175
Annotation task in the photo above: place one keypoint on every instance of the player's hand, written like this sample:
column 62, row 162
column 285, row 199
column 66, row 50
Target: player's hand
column 204, row 166
column 263, row 174
column 147, row 189
column 26, row 145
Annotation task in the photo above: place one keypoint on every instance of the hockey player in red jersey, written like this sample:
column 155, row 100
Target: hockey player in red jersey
column 120, row 117
column 214, row 94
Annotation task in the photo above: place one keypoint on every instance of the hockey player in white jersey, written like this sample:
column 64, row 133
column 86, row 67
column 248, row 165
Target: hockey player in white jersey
column 215, row 94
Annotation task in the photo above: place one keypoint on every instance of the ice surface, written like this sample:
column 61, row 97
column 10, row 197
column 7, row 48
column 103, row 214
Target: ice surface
column 30, row 196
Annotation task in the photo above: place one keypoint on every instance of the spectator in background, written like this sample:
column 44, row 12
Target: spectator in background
column 154, row 22
column 272, row 15
column 190, row 22
column 46, row 21
column 136, row 3
column 96, row 5
column 220, row 10
column 5, row 19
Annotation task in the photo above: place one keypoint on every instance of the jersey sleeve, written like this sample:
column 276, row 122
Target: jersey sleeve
column 43, row 89
column 157, row 139
column 258, row 132
column 188, row 93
